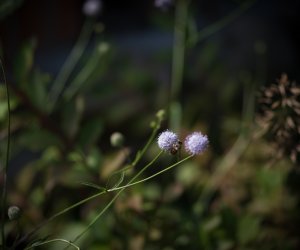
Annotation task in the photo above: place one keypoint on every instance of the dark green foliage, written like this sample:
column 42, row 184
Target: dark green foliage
column 234, row 196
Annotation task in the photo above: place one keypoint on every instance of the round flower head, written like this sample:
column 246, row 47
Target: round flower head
column 196, row 143
column 166, row 140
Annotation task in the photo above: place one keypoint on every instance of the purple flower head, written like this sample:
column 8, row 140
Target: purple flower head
column 163, row 4
column 166, row 140
column 92, row 7
column 196, row 143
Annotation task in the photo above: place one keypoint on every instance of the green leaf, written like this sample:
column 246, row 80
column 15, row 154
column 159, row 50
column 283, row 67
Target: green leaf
column 269, row 180
column 248, row 228
column 71, row 115
column 212, row 223
column 38, row 139
column 3, row 110
column 94, row 159
column 229, row 221
column 90, row 132
column 37, row 89
column 3, row 102
column 24, row 62
column 93, row 67
column 115, row 179
column 93, row 185
column 37, row 196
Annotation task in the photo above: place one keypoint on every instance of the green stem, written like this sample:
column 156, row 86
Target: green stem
column 145, row 148
column 50, row 241
column 86, row 200
column 140, row 154
column 179, row 47
column 218, row 25
column 137, row 159
column 151, row 176
column 115, row 197
column 30, row 234
column 81, row 78
column 70, row 63
column 5, row 168
column 181, row 17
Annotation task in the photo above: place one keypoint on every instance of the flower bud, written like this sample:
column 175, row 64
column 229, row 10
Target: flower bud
column 103, row 48
column 161, row 114
column 14, row 212
column 117, row 139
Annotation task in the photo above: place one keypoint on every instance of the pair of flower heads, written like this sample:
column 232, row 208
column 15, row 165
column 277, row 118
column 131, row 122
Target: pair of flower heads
column 195, row 143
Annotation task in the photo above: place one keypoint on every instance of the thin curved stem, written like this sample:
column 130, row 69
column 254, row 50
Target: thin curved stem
column 5, row 168
column 137, row 159
column 115, row 197
column 130, row 183
column 151, row 176
column 140, row 154
column 145, row 148
column 50, row 241
column 120, row 191
column 218, row 25
column 83, row 75
column 30, row 234
column 75, row 205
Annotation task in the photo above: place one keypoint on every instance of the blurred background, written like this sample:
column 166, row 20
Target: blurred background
column 78, row 74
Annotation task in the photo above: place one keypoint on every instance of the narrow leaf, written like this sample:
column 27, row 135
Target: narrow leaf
column 93, row 185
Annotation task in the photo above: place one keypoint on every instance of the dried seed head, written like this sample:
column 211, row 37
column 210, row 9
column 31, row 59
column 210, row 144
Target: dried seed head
column 279, row 116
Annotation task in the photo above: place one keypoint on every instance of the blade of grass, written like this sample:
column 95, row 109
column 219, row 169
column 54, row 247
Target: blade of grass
column 5, row 167
column 70, row 63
